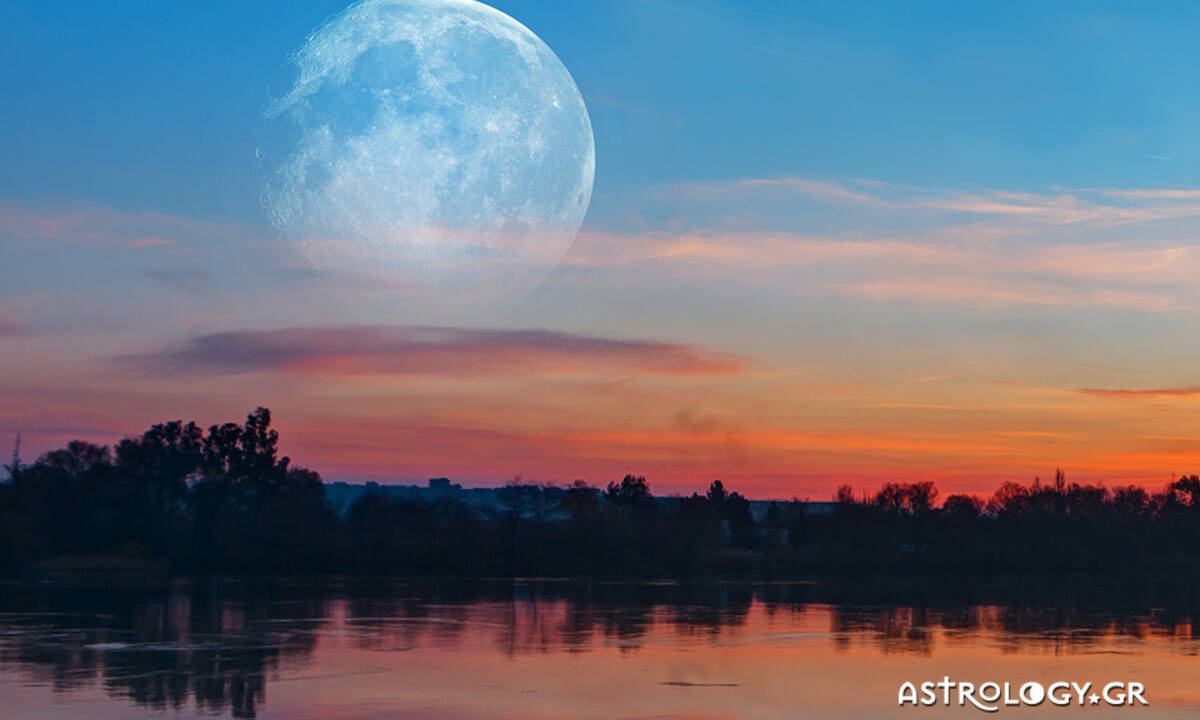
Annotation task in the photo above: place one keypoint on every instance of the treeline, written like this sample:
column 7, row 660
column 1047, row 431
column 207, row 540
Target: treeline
column 1041, row 526
column 222, row 499
column 202, row 500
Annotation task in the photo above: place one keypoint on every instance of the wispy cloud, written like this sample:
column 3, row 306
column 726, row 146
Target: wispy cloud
column 932, row 268
column 150, row 242
column 188, row 280
column 1055, row 207
column 948, row 290
column 824, row 190
column 95, row 225
column 1122, row 263
column 748, row 250
column 1181, row 393
column 1154, row 193
column 9, row 327
column 422, row 350
column 1064, row 247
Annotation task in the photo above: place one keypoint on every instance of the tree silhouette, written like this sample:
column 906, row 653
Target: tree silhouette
column 632, row 491
column 225, row 499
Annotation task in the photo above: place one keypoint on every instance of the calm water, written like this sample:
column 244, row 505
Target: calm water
column 544, row 650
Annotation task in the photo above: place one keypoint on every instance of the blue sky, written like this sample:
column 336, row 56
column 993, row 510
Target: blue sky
column 140, row 104
column 829, row 242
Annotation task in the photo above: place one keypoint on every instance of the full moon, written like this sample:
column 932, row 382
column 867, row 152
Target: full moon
column 437, row 139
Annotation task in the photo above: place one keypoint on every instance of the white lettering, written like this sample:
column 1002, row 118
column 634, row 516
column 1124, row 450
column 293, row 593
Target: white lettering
column 1008, row 698
column 991, row 696
column 1136, row 691
column 1032, row 694
column 930, row 697
column 945, row 686
column 966, row 691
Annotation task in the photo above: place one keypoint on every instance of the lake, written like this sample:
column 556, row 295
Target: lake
column 76, row 648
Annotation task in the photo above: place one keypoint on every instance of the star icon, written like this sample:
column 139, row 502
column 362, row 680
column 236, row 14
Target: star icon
column 1094, row 699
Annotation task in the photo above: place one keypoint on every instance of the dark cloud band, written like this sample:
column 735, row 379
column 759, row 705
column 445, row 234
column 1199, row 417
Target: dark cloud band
column 425, row 350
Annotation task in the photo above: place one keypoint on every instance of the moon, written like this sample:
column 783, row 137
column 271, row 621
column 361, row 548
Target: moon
column 439, row 140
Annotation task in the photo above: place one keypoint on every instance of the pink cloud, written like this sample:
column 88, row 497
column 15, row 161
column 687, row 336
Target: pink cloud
column 952, row 264
column 149, row 242
column 1028, row 208
column 104, row 226
column 946, row 290
column 1181, row 393
column 817, row 189
column 10, row 327
column 421, row 350
column 1155, row 194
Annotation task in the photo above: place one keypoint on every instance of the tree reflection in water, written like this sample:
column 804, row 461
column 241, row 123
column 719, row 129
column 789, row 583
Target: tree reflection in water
column 216, row 643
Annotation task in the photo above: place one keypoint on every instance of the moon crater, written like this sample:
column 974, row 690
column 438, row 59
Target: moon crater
column 440, row 139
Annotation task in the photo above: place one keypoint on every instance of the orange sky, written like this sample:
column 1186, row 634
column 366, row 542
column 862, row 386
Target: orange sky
column 781, row 364
column 826, row 245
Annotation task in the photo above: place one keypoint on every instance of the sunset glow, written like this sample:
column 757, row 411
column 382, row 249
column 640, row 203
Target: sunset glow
column 877, row 266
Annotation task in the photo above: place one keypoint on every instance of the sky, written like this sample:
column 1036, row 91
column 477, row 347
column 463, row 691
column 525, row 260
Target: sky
column 828, row 243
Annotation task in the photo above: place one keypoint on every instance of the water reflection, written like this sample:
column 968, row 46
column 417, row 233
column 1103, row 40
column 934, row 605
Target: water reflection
column 158, row 647
column 215, row 646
